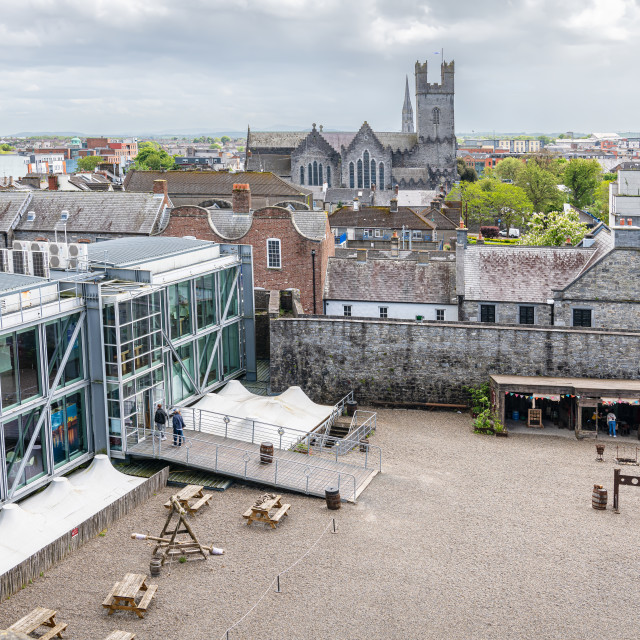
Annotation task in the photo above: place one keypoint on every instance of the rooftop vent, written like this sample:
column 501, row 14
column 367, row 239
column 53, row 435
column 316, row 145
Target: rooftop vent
column 31, row 216
column 64, row 216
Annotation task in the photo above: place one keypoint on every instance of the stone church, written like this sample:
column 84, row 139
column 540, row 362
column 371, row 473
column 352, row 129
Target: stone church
column 420, row 157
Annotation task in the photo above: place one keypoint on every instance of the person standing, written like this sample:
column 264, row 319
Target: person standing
column 611, row 420
column 160, row 420
column 178, row 426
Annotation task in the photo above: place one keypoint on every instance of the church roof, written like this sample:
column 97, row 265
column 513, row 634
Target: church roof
column 378, row 217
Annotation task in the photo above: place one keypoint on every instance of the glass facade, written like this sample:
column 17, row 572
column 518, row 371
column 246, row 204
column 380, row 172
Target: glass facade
column 20, row 367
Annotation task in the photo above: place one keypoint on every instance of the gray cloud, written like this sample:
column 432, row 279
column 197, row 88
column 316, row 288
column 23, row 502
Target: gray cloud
column 151, row 65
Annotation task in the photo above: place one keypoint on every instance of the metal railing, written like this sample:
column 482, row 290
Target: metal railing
column 358, row 432
column 222, row 458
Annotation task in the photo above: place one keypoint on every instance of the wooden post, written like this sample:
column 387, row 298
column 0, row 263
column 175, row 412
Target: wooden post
column 616, row 485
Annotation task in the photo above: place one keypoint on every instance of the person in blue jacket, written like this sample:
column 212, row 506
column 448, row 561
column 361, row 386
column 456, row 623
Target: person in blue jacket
column 178, row 426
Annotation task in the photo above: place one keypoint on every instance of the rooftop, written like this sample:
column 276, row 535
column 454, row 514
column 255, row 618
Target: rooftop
column 378, row 217
column 16, row 282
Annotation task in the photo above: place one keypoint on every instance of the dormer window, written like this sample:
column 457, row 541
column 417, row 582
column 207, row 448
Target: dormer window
column 64, row 216
column 31, row 216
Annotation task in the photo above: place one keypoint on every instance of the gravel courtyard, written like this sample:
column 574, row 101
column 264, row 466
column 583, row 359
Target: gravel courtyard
column 462, row 536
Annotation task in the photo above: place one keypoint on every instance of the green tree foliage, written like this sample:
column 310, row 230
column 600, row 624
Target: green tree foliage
column 215, row 145
column 89, row 163
column 467, row 174
column 554, row 229
column 5, row 147
column 546, row 140
column 610, row 177
column 509, row 169
column 582, row 177
column 225, row 139
column 152, row 156
column 540, row 187
column 240, row 148
column 600, row 206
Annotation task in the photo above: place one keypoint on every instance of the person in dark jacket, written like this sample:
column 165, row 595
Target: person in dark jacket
column 178, row 426
column 160, row 419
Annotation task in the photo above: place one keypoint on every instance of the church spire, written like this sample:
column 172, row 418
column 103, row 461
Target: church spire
column 407, row 111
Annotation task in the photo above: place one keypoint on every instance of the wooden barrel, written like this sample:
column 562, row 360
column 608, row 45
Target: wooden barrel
column 352, row 407
column 332, row 496
column 155, row 565
column 599, row 497
column 266, row 452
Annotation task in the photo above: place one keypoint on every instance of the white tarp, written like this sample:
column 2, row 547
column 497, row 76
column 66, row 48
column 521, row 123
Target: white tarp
column 37, row 521
column 257, row 418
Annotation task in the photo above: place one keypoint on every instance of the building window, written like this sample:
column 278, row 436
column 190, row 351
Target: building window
column 329, row 177
column 384, row 312
column 320, row 179
column 378, row 233
column 231, row 349
column 417, row 235
column 301, row 175
column 17, row 435
column 367, row 233
column 381, row 171
column 346, row 310
column 315, row 173
column 20, row 367
column 440, row 315
column 487, row 313
column 373, row 172
column 68, row 428
column 352, row 182
column 179, row 312
column 310, row 175
column 436, row 116
column 359, row 174
column 527, row 315
column 367, row 175
column 273, row 254
column 582, row 317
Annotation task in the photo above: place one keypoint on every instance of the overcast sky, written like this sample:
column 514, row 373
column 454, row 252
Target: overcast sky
column 110, row 66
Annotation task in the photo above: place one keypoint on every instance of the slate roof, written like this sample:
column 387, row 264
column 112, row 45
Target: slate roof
column 12, row 204
column 390, row 281
column 212, row 183
column 520, row 273
column 439, row 219
column 229, row 225
column 310, row 224
column 416, row 197
column 90, row 182
column 94, row 212
column 378, row 217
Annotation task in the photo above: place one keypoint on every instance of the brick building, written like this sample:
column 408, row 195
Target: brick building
column 291, row 248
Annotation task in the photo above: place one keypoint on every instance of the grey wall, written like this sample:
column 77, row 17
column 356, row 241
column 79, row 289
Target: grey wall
column 429, row 362
column 506, row 312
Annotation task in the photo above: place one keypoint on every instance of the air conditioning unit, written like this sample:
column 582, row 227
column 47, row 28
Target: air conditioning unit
column 58, row 255
column 40, row 261
column 79, row 256
column 21, row 245
column 6, row 261
column 23, row 262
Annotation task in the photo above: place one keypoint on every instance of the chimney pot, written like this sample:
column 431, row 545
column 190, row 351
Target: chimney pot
column 241, row 198
column 393, row 206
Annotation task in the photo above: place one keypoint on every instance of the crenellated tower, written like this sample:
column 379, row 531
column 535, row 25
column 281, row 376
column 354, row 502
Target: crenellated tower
column 407, row 110
column 434, row 103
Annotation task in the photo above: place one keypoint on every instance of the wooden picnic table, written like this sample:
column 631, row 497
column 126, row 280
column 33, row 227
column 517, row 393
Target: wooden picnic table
column 191, row 492
column 120, row 635
column 124, row 594
column 37, row 618
column 260, row 512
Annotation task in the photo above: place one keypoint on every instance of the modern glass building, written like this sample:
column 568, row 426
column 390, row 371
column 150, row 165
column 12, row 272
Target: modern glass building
column 85, row 357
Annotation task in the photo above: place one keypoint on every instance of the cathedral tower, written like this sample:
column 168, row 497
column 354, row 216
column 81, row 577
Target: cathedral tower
column 407, row 111
column 434, row 103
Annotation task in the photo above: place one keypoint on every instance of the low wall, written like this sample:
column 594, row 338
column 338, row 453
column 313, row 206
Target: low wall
column 14, row 579
column 398, row 361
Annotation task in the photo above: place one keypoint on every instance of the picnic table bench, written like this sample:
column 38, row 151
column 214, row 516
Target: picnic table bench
column 191, row 492
column 37, row 618
column 260, row 512
column 120, row 635
column 124, row 594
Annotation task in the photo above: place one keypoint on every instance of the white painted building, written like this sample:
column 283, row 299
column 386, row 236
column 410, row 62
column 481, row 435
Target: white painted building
column 624, row 197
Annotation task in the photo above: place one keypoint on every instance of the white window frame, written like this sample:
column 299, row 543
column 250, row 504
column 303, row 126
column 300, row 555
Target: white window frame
column 347, row 310
column 377, row 233
column 367, row 233
column 269, row 264
column 443, row 313
column 385, row 311
column 416, row 235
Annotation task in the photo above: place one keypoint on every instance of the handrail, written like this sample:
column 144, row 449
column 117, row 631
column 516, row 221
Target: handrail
column 248, row 454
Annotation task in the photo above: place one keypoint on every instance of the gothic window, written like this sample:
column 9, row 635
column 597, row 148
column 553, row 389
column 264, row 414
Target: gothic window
column 359, row 174
column 315, row 173
column 352, row 181
column 301, row 175
column 310, row 175
column 373, row 172
column 367, row 180
column 329, row 177
column 320, row 180
column 436, row 116
column 381, row 170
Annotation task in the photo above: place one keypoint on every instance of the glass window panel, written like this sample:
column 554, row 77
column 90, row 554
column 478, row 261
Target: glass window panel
column 109, row 315
column 73, row 369
column 112, row 370
column 181, row 384
column 231, row 348
column 140, row 306
column 141, row 327
column 17, row 434
column 205, row 349
column 8, row 371
column 114, row 409
column 155, row 302
column 180, row 309
column 109, row 335
column 226, row 280
column 206, row 304
column 126, row 333
column 28, row 364
column 113, row 392
column 60, row 454
column 124, row 312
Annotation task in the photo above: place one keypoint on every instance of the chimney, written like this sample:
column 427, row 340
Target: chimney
column 395, row 243
column 626, row 236
column 241, row 198
column 373, row 195
column 11, row 181
column 356, row 204
column 53, row 183
column 393, row 205
column 396, row 189
column 160, row 188
column 461, row 245
column 361, row 255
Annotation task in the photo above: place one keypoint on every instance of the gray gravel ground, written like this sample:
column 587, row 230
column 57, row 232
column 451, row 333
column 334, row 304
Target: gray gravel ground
column 462, row 536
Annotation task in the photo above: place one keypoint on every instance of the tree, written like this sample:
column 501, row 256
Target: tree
column 467, row 174
column 6, row 147
column 554, row 229
column 152, row 156
column 89, row 163
column 240, row 149
column 509, row 169
column 225, row 139
column 510, row 203
column 545, row 140
column 582, row 177
column 540, row 187
column 600, row 206
column 215, row 145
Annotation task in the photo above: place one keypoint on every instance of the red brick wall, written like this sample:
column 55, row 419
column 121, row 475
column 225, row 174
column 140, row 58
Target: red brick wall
column 271, row 222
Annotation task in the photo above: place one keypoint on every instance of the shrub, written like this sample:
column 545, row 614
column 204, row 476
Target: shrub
column 447, row 247
column 490, row 232
column 479, row 398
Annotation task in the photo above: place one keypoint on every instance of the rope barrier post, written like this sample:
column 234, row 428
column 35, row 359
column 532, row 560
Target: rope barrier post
column 334, row 526
column 278, row 584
